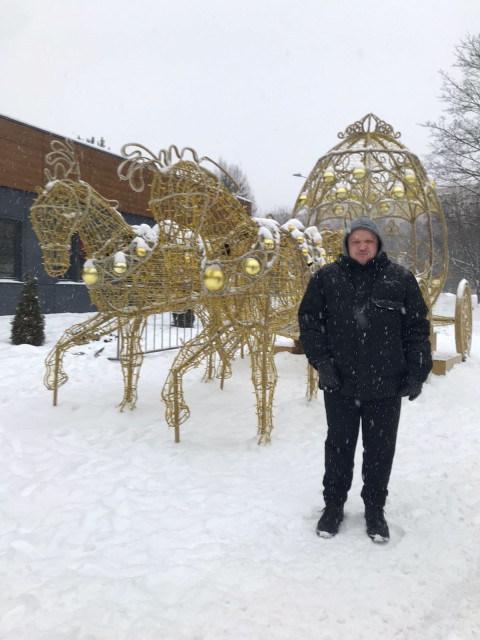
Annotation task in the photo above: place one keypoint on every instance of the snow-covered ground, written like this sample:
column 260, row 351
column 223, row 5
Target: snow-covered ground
column 111, row 531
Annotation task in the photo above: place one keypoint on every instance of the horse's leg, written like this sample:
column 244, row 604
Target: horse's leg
column 210, row 368
column 230, row 344
column 190, row 356
column 95, row 327
column 264, row 378
column 226, row 343
column 131, row 357
column 204, row 318
column 261, row 343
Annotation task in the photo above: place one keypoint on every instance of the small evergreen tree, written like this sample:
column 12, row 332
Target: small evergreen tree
column 28, row 323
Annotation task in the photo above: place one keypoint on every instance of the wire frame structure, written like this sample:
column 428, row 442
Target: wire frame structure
column 127, row 287
column 371, row 173
column 243, row 276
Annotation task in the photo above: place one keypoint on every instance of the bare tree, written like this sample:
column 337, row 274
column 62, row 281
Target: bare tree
column 455, row 158
column 240, row 185
column 462, row 215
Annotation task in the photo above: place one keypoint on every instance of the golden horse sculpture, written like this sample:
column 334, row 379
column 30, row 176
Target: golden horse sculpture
column 244, row 276
column 66, row 206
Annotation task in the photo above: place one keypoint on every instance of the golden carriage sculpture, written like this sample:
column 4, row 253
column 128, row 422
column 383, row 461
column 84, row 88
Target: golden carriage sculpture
column 370, row 172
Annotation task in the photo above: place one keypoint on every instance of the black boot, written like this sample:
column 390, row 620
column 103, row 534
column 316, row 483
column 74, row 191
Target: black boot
column 377, row 527
column 328, row 524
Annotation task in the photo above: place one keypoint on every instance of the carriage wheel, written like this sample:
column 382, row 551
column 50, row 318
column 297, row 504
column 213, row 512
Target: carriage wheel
column 463, row 320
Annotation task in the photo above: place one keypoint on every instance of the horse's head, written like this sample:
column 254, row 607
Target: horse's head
column 196, row 198
column 54, row 216
column 184, row 193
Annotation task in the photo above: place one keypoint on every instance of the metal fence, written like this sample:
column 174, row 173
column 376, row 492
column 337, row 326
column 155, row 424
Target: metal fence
column 162, row 333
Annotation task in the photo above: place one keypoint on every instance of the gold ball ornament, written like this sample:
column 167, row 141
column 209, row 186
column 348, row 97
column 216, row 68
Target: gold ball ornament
column 398, row 191
column 305, row 251
column 384, row 207
column 90, row 275
column 119, row 268
column 291, row 227
column 141, row 252
column 359, row 173
column 319, row 243
column 410, row 177
column 328, row 177
column 214, row 279
column 300, row 239
column 268, row 243
column 338, row 210
column 341, row 193
column 251, row 266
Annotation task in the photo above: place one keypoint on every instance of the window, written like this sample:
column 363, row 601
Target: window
column 10, row 249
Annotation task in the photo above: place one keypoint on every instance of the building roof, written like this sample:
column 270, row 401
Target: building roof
column 22, row 164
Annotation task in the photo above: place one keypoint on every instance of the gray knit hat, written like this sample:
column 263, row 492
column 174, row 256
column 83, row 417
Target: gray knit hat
column 363, row 222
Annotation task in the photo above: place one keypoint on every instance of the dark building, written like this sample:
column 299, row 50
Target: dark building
column 22, row 162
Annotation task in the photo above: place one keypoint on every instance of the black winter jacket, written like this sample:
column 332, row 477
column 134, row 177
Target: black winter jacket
column 371, row 321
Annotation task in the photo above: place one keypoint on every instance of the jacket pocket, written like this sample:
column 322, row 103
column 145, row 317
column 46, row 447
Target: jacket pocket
column 390, row 305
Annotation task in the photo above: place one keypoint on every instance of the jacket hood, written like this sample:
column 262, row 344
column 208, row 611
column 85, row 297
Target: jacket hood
column 363, row 222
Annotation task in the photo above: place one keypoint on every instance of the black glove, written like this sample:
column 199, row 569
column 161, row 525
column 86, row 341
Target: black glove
column 328, row 375
column 410, row 387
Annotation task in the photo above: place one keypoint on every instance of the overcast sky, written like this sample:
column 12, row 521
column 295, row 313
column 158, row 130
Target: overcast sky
column 266, row 84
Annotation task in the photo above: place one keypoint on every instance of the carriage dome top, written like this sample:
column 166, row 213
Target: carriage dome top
column 369, row 133
column 370, row 172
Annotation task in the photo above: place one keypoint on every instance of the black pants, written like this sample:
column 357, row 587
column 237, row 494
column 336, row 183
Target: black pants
column 379, row 420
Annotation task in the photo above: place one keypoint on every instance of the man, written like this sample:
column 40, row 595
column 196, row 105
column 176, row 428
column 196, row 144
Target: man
column 363, row 326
